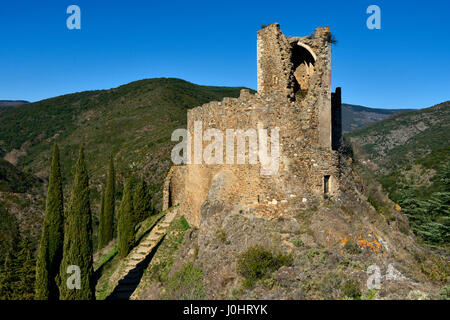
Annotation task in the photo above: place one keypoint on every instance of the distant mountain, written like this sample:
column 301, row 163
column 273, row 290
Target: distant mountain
column 12, row 103
column 355, row 117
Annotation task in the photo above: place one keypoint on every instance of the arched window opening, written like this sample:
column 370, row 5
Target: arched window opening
column 303, row 62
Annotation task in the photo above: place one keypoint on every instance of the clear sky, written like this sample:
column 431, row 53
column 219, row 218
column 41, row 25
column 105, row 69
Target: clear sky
column 405, row 64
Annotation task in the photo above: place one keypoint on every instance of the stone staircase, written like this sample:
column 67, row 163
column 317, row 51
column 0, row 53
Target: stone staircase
column 131, row 269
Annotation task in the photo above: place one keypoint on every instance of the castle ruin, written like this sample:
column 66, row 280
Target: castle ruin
column 294, row 95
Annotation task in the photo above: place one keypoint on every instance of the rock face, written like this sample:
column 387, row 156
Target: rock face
column 296, row 112
column 334, row 244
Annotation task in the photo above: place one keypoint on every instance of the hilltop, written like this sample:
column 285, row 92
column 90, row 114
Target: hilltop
column 356, row 117
column 133, row 122
column 11, row 103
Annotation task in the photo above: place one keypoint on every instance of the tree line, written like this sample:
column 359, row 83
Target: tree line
column 67, row 236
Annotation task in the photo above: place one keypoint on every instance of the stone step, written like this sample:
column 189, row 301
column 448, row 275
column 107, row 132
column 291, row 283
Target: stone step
column 137, row 258
column 152, row 237
column 152, row 240
column 132, row 274
column 148, row 245
column 128, row 269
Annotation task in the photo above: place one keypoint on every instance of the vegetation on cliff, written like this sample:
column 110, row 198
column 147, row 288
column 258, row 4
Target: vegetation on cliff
column 409, row 154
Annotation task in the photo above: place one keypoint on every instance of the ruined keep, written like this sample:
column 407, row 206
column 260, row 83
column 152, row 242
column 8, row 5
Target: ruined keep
column 294, row 95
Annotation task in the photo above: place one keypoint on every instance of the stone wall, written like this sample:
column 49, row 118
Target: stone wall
column 303, row 117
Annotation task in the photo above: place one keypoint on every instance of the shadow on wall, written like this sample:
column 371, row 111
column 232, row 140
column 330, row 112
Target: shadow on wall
column 303, row 62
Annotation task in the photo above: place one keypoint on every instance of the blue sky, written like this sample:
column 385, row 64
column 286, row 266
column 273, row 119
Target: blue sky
column 406, row 64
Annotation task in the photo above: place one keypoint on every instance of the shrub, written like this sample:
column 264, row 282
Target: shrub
column 403, row 227
column 445, row 293
column 185, row 224
column 257, row 262
column 369, row 295
column 433, row 267
column 351, row 289
column 331, row 38
column 186, row 284
column 222, row 236
column 352, row 247
column 298, row 242
column 312, row 253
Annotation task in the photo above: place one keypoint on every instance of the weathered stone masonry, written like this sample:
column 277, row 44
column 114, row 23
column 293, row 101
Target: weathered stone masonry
column 294, row 94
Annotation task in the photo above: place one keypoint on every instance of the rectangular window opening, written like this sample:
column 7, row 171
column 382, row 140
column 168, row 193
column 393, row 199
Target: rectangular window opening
column 326, row 184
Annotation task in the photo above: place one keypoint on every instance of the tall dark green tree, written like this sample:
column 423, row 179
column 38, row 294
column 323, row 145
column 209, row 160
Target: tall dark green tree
column 101, row 225
column 126, row 223
column 77, row 254
column 142, row 201
column 52, row 238
column 17, row 276
column 109, row 207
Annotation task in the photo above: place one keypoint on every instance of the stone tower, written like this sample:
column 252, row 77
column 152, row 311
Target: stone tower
column 294, row 102
column 295, row 66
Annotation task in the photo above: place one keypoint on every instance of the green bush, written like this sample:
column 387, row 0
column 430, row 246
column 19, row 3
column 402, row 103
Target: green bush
column 186, row 284
column 257, row 262
column 298, row 242
column 445, row 293
column 351, row 289
column 312, row 253
column 185, row 224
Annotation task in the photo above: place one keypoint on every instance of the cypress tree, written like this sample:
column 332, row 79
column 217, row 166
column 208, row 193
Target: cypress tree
column 52, row 238
column 108, row 210
column 78, row 238
column 126, row 221
column 142, row 201
column 101, row 225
